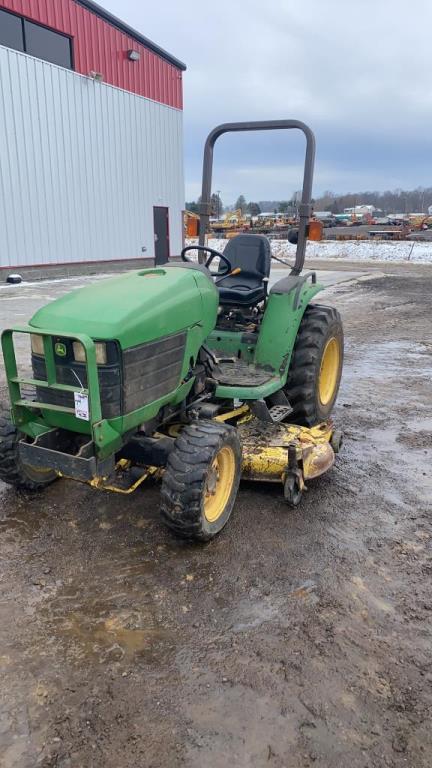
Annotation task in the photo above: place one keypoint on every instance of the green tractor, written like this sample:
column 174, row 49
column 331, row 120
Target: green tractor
column 197, row 375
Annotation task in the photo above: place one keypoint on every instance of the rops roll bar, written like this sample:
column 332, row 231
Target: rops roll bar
column 305, row 208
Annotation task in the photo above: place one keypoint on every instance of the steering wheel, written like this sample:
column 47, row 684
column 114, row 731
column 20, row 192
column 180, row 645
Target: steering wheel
column 213, row 255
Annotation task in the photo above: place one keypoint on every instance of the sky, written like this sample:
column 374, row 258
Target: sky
column 359, row 73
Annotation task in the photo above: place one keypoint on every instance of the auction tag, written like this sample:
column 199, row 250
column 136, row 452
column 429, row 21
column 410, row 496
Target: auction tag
column 81, row 406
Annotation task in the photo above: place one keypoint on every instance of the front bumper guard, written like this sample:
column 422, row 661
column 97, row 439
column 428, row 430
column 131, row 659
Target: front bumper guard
column 22, row 407
column 51, row 449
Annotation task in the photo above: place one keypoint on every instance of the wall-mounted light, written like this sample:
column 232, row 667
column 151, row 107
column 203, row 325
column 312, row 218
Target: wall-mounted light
column 133, row 55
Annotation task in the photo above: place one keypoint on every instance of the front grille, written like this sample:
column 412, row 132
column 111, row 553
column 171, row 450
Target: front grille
column 152, row 370
column 149, row 372
column 74, row 373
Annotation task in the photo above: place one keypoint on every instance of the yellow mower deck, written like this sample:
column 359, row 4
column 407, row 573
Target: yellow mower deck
column 271, row 453
column 265, row 449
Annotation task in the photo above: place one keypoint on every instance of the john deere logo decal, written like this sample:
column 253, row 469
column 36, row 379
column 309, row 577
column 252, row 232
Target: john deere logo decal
column 60, row 349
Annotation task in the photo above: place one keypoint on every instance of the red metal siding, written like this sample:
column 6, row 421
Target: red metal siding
column 100, row 47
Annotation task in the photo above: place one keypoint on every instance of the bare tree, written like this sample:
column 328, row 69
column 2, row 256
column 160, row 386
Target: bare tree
column 241, row 204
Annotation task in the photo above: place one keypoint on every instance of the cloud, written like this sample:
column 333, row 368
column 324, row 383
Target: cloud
column 359, row 73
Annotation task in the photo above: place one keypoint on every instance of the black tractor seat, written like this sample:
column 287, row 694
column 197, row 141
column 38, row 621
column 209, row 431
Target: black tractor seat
column 250, row 253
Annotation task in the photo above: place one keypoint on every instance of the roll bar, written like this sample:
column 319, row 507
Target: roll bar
column 305, row 208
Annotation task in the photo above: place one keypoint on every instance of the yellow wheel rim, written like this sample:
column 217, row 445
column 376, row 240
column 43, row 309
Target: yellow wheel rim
column 328, row 375
column 219, row 484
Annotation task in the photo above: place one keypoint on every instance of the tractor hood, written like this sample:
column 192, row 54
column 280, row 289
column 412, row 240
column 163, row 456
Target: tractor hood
column 135, row 307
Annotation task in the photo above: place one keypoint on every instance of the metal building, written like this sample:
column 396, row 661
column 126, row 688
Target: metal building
column 91, row 155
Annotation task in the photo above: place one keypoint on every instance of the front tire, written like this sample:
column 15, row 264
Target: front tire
column 316, row 366
column 201, row 480
column 12, row 470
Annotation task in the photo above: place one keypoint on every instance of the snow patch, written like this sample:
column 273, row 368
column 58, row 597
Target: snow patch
column 351, row 250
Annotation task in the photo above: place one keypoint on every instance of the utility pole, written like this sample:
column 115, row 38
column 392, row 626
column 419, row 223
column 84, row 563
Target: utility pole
column 218, row 191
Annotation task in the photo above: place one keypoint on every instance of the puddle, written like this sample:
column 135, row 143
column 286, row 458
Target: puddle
column 19, row 518
column 253, row 614
column 105, row 633
column 421, row 423
column 362, row 593
column 405, row 460
column 123, row 635
column 392, row 377
column 112, row 614
column 387, row 360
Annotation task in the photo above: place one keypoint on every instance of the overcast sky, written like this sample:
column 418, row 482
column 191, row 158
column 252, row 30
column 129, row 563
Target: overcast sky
column 360, row 73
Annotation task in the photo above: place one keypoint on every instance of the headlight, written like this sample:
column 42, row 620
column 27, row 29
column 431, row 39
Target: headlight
column 37, row 346
column 101, row 352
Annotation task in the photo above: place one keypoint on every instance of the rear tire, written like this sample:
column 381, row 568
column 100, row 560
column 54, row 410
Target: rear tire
column 316, row 366
column 12, row 470
column 201, row 480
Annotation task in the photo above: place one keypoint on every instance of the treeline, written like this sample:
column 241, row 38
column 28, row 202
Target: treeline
column 250, row 207
column 218, row 208
column 396, row 201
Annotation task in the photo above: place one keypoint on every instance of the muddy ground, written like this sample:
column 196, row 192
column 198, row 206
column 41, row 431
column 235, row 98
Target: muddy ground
column 296, row 638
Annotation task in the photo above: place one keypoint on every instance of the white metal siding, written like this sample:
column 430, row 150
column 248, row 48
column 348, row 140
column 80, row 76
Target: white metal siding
column 81, row 166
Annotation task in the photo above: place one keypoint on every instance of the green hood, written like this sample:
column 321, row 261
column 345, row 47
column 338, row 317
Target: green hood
column 135, row 307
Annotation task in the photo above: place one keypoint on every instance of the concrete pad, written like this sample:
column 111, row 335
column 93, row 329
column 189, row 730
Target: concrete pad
column 325, row 276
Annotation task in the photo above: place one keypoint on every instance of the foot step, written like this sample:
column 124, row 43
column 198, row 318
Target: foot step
column 274, row 414
column 279, row 412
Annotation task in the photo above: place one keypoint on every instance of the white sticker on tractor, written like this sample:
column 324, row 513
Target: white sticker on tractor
column 81, row 406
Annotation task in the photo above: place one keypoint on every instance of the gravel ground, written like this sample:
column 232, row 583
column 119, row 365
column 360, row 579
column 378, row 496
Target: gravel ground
column 296, row 638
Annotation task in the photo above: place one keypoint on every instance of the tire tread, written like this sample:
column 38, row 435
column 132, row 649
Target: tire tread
column 301, row 386
column 185, row 475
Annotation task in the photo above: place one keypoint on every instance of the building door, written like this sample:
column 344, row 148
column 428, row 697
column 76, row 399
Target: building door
column 161, row 234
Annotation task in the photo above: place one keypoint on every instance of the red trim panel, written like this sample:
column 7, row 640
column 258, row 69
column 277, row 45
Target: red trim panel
column 100, row 47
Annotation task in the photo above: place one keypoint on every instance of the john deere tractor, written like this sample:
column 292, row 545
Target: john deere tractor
column 195, row 372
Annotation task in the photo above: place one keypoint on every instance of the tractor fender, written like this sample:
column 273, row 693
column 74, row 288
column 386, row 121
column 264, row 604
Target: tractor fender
column 285, row 308
column 298, row 284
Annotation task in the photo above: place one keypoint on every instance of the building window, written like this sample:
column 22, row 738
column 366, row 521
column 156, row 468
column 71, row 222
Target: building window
column 11, row 31
column 39, row 41
column 48, row 45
